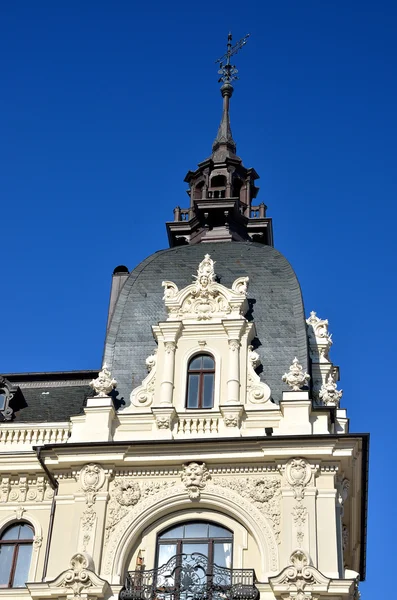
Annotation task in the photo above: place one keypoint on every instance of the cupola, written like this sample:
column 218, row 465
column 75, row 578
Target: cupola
column 222, row 191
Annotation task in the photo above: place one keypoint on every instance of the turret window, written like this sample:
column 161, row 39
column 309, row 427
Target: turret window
column 200, row 382
column 16, row 545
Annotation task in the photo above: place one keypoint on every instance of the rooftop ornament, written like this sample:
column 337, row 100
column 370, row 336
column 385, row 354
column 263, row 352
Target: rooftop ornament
column 104, row 383
column 228, row 71
column 328, row 392
column 228, row 74
column 296, row 378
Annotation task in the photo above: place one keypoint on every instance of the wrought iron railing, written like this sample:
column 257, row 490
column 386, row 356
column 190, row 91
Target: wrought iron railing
column 190, row 577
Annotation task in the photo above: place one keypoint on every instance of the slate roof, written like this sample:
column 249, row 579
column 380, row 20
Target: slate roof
column 274, row 295
column 52, row 397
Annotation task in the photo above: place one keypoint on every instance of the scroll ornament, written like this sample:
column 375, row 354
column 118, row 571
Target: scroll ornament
column 258, row 392
column 143, row 395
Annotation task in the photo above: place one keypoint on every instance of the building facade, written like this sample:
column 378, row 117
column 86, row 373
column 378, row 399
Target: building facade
column 210, row 457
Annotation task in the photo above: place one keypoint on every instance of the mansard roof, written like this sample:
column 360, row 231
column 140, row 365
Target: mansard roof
column 274, row 298
column 52, row 397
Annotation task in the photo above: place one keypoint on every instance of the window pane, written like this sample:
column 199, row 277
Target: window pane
column 12, row 533
column 208, row 362
column 2, row 400
column 219, row 532
column 23, row 564
column 25, row 532
column 6, row 552
column 208, row 390
column 190, row 548
column 196, row 530
column 223, row 554
column 166, row 551
column 20, row 531
column 192, row 397
column 173, row 533
column 196, row 363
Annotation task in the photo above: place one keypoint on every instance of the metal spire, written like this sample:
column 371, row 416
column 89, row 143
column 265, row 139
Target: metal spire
column 224, row 143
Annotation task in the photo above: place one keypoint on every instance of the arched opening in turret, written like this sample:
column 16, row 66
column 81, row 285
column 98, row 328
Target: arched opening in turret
column 217, row 187
column 198, row 190
column 237, row 189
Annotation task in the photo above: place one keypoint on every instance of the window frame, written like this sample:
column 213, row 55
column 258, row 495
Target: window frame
column 201, row 373
column 16, row 543
column 210, row 541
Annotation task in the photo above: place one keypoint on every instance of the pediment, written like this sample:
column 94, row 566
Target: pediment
column 206, row 299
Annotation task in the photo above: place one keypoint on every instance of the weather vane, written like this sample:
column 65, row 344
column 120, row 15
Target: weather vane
column 228, row 71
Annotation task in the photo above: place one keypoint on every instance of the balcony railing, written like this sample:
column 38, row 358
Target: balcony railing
column 190, row 577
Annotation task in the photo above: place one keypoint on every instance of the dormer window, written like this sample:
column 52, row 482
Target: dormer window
column 200, row 382
column 11, row 400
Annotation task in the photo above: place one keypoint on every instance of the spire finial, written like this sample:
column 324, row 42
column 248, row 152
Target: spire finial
column 228, row 73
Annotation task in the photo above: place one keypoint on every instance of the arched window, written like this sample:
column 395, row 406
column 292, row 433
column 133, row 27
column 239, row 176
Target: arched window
column 16, row 544
column 200, row 382
column 210, row 540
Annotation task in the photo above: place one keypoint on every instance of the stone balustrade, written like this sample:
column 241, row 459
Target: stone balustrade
column 18, row 435
column 196, row 425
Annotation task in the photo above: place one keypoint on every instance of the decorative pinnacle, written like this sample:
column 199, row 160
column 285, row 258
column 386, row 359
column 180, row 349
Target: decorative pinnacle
column 228, row 71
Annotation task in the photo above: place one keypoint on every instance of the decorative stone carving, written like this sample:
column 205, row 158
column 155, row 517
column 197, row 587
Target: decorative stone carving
column 104, row 383
column 157, row 493
column 296, row 378
column 92, row 478
column 205, row 298
column 165, row 417
column 143, row 395
column 37, row 541
column 22, row 489
column 125, row 493
column 319, row 338
column 19, row 512
column 88, row 520
column 258, row 392
column 329, row 395
column 5, row 489
column 195, row 476
column 234, row 345
column 298, row 474
column 263, row 492
column 80, row 581
column 240, row 286
column 232, row 415
column 300, row 580
column 170, row 347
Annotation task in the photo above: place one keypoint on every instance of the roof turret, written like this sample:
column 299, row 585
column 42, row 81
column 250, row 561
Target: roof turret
column 221, row 189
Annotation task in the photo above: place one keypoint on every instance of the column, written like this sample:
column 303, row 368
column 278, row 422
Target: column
column 233, row 382
column 167, row 383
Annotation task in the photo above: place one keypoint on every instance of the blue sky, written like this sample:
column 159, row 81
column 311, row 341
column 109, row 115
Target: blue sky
column 104, row 108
